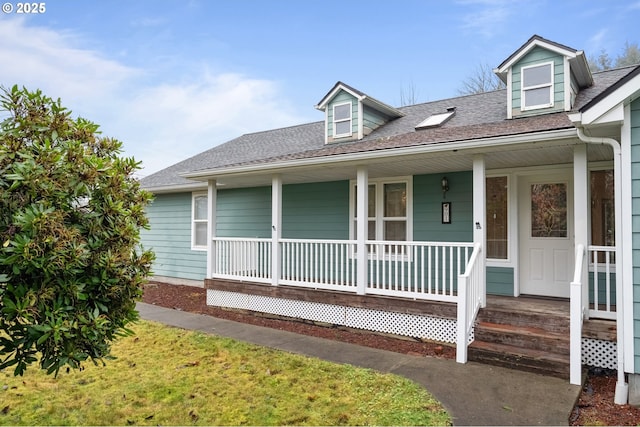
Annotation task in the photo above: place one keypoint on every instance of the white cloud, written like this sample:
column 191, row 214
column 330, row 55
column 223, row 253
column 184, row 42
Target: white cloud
column 180, row 120
column 487, row 17
column 597, row 41
column 45, row 59
column 159, row 123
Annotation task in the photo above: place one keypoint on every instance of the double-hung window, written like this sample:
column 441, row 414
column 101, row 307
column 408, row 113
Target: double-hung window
column 388, row 210
column 537, row 86
column 342, row 119
column 199, row 211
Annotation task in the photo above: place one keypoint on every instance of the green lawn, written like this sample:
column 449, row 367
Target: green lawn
column 167, row 376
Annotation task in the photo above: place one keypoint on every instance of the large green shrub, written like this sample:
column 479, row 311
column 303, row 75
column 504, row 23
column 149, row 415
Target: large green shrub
column 71, row 267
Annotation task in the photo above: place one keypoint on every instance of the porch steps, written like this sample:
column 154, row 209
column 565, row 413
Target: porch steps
column 529, row 338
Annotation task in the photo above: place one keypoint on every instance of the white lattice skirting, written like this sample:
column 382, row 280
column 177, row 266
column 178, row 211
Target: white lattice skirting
column 599, row 353
column 411, row 325
column 594, row 352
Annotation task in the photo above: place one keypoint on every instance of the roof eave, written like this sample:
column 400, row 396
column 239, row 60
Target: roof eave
column 381, row 106
column 532, row 43
column 176, row 188
column 337, row 87
column 550, row 135
column 580, row 68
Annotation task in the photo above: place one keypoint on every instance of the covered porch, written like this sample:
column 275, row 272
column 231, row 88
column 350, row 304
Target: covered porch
column 353, row 280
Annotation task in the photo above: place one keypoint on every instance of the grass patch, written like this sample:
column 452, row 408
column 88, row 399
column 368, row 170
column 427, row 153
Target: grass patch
column 168, row 376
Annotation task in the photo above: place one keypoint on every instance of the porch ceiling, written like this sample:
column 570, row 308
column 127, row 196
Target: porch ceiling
column 503, row 157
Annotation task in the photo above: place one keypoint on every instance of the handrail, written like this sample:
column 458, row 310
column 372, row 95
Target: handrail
column 576, row 317
column 469, row 302
column 577, row 272
column 477, row 248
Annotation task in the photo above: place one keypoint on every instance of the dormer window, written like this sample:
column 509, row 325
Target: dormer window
column 342, row 120
column 350, row 115
column 537, row 86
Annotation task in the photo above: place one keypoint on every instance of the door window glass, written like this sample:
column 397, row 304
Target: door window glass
column 548, row 210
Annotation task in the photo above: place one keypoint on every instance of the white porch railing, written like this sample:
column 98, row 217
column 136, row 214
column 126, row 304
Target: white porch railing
column 436, row 271
column 420, row 270
column 602, row 272
column 417, row 270
column 319, row 264
column 469, row 301
column 242, row 259
column 595, row 298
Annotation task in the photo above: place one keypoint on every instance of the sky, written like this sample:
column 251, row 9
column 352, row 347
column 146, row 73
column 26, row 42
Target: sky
column 173, row 78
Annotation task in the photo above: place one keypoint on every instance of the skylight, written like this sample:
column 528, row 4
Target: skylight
column 436, row 119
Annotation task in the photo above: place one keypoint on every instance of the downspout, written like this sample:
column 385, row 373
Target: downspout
column 622, row 388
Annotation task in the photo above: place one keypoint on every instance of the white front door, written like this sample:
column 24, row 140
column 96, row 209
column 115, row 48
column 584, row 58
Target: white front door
column 546, row 234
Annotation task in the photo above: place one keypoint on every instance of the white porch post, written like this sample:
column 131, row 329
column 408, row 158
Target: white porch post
column 212, row 198
column 581, row 211
column 579, row 290
column 276, row 228
column 479, row 219
column 362, row 228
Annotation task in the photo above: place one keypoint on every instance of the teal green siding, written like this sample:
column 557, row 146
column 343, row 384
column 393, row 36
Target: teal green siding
column 316, row 211
column 500, row 281
column 427, row 208
column 170, row 238
column 602, row 288
column 635, row 190
column 372, row 120
column 538, row 55
column 244, row 212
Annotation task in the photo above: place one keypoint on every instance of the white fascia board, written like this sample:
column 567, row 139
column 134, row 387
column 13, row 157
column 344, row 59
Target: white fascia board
column 381, row 106
column 575, row 118
column 580, row 67
column 360, row 120
column 567, row 84
column 621, row 96
column 179, row 188
column 510, row 93
column 613, row 116
column 333, row 93
column 568, row 53
column 546, row 136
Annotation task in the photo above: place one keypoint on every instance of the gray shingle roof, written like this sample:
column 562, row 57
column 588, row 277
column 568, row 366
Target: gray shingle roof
column 477, row 116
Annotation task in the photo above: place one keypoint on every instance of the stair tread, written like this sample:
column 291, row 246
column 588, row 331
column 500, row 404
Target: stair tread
column 532, row 319
column 530, row 331
column 520, row 352
column 530, row 335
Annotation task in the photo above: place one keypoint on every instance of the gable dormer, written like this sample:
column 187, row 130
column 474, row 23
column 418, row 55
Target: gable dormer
column 350, row 115
column 543, row 77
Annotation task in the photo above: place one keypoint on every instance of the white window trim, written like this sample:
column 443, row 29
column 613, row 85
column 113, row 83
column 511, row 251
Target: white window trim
column 379, row 218
column 349, row 119
column 195, row 247
column 523, row 89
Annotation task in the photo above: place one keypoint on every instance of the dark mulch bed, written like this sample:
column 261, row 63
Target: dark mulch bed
column 594, row 407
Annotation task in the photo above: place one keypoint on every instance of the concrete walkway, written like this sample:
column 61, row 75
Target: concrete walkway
column 473, row 393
